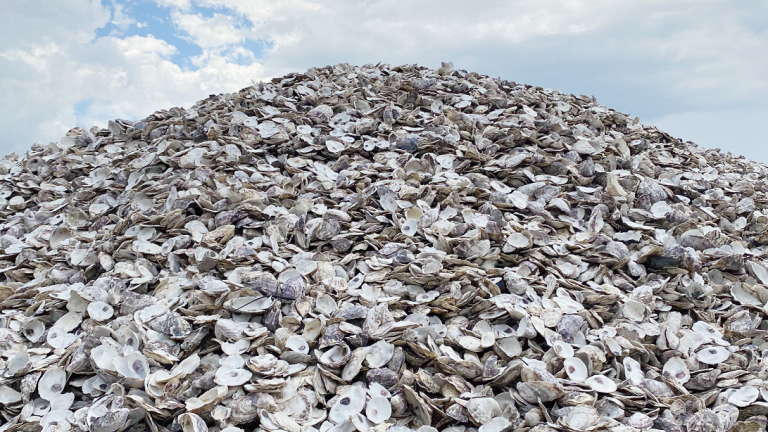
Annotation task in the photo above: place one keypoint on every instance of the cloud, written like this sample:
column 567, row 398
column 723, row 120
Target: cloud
column 48, row 87
column 625, row 51
column 35, row 57
column 695, row 67
column 215, row 32
column 179, row 4
column 119, row 17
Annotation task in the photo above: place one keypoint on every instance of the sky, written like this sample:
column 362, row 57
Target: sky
column 697, row 69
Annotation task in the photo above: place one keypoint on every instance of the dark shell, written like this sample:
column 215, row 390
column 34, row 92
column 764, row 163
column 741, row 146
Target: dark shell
column 703, row 381
column 383, row 376
column 109, row 422
column 402, row 256
column 297, row 357
column 328, row 229
column 535, row 392
column 352, row 313
column 205, row 382
column 409, row 144
column 320, row 114
column 273, row 316
column 29, row 384
column 341, row 244
column 264, row 283
column 568, row 326
column 332, row 335
column 134, row 302
column 730, row 263
column 292, row 289
column 587, row 167
column 229, row 217
column 458, row 413
column 397, row 362
column 358, row 340
column 80, row 360
column 491, row 367
column 703, row 421
column 171, row 324
column 193, row 340
column 556, row 168
column 658, row 262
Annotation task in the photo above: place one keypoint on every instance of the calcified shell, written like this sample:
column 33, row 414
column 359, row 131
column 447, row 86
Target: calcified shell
column 232, row 377
column 351, row 403
column 249, row 304
column 510, row 346
column 640, row 421
column 379, row 354
column 581, row 418
column 18, row 363
column 69, row 322
column 237, row 348
column 59, row 338
column 633, row 371
column 207, row 400
column 563, row 349
column 41, row 407
column 8, row 395
column 192, row 423
column 62, row 402
column 336, row 356
column 483, row 410
column 134, row 365
column 601, row 384
column 575, row 369
column 713, row 355
column 33, row 329
column 52, row 383
column 728, row 415
column 100, row 311
column 297, row 343
column 677, row 369
column 744, row 396
column 53, row 419
column 707, row 330
column 496, row 424
column 105, row 357
column 378, row 409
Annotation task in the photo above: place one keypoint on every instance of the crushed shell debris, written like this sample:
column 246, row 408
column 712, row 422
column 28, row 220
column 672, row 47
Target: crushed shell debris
column 383, row 248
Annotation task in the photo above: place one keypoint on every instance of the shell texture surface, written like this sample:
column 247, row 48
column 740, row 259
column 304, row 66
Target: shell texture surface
column 379, row 248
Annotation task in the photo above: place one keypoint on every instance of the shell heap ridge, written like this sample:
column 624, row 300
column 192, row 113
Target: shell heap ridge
column 380, row 248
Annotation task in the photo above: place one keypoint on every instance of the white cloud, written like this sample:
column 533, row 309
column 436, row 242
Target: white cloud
column 119, row 18
column 36, row 56
column 180, row 4
column 41, row 81
column 694, row 66
column 214, row 32
column 144, row 48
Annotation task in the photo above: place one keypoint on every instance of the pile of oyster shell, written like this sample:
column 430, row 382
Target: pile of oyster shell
column 383, row 248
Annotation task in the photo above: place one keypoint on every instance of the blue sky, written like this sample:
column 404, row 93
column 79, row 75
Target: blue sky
column 151, row 19
column 698, row 69
column 147, row 17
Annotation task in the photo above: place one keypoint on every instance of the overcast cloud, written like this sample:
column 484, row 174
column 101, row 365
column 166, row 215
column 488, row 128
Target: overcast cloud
column 698, row 69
